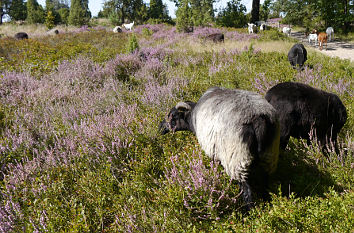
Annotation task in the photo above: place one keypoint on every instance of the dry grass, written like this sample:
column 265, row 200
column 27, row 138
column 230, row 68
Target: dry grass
column 33, row 30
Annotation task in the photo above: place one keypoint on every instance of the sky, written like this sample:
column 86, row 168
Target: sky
column 96, row 5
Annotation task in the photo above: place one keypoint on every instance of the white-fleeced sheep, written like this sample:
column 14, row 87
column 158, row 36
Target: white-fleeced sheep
column 128, row 26
column 236, row 127
column 330, row 33
column 287, row 31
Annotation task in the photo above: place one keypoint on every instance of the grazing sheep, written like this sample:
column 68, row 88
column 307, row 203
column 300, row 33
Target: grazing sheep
column 262, row 27
column 287, row 31
column 297, row 56
column 313, row 37
column 330, row 33
column 21, row 35
column 215, row 37
column 322, row 39
column 237, row 127
column 128, row 26
column 251, row 28
column 117, row 29
column 302, row 108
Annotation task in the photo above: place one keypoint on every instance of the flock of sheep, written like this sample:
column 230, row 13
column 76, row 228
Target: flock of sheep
column 245, row 131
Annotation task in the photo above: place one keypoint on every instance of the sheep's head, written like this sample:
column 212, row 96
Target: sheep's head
column 178, row 118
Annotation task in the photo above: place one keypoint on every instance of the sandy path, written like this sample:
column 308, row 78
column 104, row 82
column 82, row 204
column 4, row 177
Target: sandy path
column 335, row 48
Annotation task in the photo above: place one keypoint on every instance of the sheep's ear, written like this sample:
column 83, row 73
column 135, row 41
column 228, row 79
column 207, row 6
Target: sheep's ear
column 183, row 106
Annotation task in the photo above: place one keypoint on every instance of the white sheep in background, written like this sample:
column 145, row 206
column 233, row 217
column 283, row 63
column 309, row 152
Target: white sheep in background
column 236, row 127
column 262, row 27
column 117, row 29
column 128, row 26
column 312, row 37
column 287, row 31
column 251, row 28
column 330, row 33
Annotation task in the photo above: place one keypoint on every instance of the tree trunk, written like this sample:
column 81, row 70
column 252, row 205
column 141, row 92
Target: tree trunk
column 255, row 11
column 1, row 14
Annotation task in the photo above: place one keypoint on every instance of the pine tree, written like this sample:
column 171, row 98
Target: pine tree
column 35, row 12
column 79, row 12
column 17, row 10
column 156, row 9
column 49, row 20
column 183, row 17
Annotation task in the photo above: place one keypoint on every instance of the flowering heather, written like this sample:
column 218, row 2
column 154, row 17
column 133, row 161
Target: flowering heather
column 262, row 84
column 315, row 77
column 234, row 35
column 204, row 194
column 123, row 65
column 202, row 32
column 152, row 27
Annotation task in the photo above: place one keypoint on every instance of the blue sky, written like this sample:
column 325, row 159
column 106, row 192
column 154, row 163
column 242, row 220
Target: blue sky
column 96, row 5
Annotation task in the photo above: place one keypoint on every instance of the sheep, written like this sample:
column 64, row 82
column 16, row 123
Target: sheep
column 236, row 127
column 302, row 108
column 330, row 33
column 297, row 56
column 322, row 39
column 262, row 27
column 117, row 29
column 128, row 26
column 251, row 28
column 216, row 37
column 287, row 31
column 313, row 37
column 21, row 35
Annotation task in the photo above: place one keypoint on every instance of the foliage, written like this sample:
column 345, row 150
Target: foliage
column 35, row 12
column 80, row 149
column 120, row 11
column 17, row 10
column 79, row 13
column 233, row 15
column 183, row 17
column 64, row 15
column 200, row 13
column 49, row 20
column 133, row 45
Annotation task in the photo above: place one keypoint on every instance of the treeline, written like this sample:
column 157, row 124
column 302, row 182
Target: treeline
column 307, row 13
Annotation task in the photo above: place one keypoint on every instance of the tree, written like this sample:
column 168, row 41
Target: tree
column 264, row 11
column 49, row 20
column 64, row 15
column 183, row 16
column 255, row 11
column 201, row 11
column 233, row 15
column 35, row 12
column 79, row 12
column 18, row 10
column 4, row 8
column 120, row 11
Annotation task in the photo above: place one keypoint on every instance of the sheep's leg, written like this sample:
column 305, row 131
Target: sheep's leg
column 247, row 194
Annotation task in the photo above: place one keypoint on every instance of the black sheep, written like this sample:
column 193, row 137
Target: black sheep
column 216, row 37
column 21, row 35
column 302, row 108
column 297, row 56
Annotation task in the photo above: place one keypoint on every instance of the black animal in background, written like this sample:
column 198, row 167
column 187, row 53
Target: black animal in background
column 302, row 108
column 297, row 56
column 216, row 37
column 21, row 35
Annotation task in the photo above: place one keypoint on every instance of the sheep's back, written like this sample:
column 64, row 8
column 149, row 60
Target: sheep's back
column 219, row 119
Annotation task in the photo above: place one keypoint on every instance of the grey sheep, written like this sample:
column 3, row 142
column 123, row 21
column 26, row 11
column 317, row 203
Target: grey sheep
column 302, row 108
column 236, row 127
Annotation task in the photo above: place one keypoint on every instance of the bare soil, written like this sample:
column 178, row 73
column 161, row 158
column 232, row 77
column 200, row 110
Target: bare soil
column 335, row 48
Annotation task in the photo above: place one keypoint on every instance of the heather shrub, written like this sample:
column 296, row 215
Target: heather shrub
column 80, row 148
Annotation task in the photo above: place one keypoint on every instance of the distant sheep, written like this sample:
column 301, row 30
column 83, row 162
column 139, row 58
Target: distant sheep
column 21, row 35
column 128, row 26
column 117, row 29
column 287, row 31
column 297, row 56
column 237, row 127
column 312, row 37
column 215, row 37
column 251, row 28
column 330, row 33
column 262, row 27
column 322, row 39
column 302, row 108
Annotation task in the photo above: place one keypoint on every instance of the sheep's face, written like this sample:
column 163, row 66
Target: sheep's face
column 177, row 118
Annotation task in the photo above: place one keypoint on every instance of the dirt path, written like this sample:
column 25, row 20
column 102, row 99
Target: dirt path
column 335, row 48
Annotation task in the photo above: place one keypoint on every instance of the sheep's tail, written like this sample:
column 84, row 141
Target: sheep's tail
column 267, row 132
